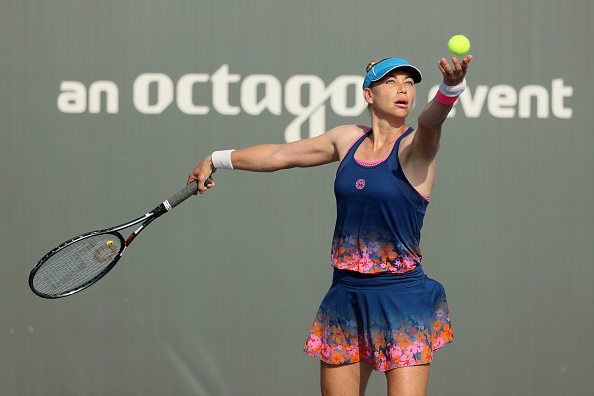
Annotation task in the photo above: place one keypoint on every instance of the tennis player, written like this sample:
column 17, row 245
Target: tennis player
column 382, row 312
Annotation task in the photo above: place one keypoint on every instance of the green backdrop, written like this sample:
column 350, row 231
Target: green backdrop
column 106, row 106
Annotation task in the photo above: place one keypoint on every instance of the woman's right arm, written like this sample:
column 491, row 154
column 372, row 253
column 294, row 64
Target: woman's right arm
column 323, row 149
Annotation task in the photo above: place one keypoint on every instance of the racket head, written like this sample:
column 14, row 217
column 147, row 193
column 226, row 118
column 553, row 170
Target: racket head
column 76, row 264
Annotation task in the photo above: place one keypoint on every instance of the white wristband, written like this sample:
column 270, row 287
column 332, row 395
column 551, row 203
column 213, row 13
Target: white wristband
column 222, row 159
column 451, row 91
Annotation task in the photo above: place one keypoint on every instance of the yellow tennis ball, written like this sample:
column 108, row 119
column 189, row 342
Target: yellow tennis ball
column 459, row 45
column 109, row 243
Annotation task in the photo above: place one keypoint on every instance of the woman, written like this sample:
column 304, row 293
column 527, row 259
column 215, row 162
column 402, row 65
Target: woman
column 381, row 313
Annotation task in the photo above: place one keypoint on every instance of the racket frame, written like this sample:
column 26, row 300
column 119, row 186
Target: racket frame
column 146, row 219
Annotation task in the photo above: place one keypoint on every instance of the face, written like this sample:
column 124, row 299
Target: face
column 393, row 95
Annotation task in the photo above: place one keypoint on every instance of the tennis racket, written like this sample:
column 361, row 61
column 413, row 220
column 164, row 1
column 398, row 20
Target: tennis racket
column 83, row 260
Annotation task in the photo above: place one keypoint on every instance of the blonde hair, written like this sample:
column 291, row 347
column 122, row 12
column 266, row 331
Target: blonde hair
column 369, row 66
column 373, row 63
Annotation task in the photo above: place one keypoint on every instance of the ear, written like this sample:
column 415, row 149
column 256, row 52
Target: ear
column 367, row 95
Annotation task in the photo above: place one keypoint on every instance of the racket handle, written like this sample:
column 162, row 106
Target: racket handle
column 180, row 196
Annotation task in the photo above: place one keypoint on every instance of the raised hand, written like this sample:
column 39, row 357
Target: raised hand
column 454, row 75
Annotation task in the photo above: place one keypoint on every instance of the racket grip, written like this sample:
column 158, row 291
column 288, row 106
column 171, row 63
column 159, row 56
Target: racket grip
column 183, row 194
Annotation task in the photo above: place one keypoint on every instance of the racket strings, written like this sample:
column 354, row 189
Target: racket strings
column 76, row 264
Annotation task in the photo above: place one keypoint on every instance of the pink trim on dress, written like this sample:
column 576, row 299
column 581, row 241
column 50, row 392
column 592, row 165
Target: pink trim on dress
column 352, row 144
column 426, row 198
column 365, row 163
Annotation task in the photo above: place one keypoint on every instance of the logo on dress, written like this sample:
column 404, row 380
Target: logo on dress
column 360, row 184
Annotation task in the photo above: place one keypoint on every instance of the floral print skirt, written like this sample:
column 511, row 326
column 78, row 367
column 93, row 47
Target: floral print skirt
column 388, row 320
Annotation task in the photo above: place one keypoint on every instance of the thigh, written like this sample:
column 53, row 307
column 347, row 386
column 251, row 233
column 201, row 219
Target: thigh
column 409, row 381
column 344, row 380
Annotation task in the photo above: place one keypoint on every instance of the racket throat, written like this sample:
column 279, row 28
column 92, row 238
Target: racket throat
column 133, row 235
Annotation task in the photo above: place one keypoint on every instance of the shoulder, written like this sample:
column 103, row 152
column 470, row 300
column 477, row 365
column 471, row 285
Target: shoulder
column 345, row 135
column 344, row 131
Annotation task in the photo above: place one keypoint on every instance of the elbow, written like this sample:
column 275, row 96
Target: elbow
column 276, row 161
column 429, row 127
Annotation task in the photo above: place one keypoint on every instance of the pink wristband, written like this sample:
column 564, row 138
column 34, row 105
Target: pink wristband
column 446, row 100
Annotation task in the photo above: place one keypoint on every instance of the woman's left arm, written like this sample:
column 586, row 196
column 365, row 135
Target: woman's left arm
column 426, row 141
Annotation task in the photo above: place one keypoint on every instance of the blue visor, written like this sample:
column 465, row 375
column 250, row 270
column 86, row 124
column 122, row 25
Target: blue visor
column 378, row 71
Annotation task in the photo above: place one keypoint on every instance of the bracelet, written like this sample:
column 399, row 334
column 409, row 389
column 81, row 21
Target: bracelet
column 222, row 159
column 455, row 90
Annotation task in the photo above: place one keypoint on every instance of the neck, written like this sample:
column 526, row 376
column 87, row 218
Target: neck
column 386, row 131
